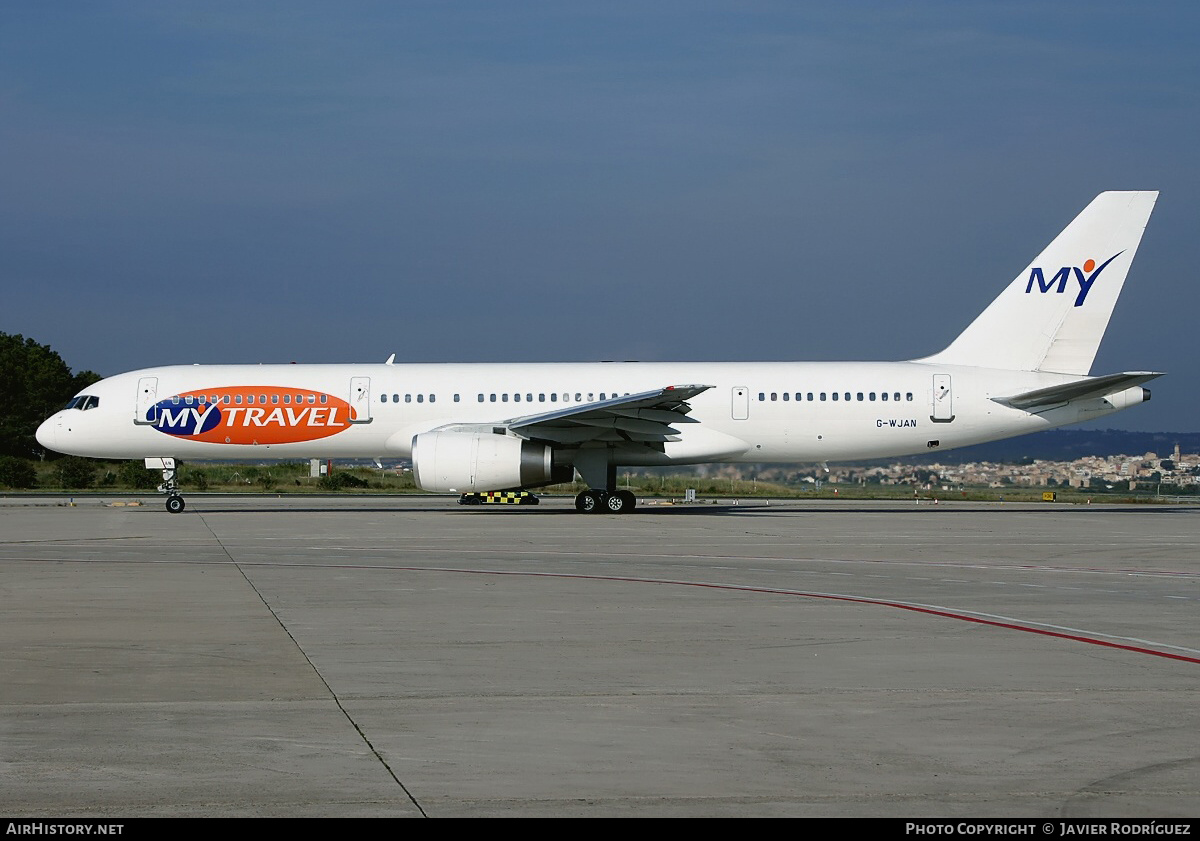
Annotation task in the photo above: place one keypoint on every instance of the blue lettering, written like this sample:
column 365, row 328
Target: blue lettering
column 1085, row 285
column 1046, row 285
column 1058, row 283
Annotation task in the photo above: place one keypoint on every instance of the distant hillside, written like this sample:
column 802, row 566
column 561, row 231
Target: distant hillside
column 1065, row 445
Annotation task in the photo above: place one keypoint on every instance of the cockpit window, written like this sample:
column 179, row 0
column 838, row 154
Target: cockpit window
column 83, row 402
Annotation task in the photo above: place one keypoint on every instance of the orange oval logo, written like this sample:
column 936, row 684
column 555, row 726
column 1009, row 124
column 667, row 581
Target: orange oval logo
column 251, row 415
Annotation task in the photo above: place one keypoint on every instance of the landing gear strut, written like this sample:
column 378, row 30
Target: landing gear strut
column 602, row 497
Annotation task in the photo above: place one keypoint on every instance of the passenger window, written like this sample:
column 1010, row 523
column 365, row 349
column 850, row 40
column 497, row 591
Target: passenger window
column 420, row 398
column 408, row 398
column 504, row 397
column 810, row 395
column 835, row 395
column 786, row 396
column 822, row 396
column 517, row 397
column 432, row 398
column 481, row 398
column 908, row 396
column 383, row 398
column 274, row 398
column 883, row 397
column 554, row 397
column 860, row 397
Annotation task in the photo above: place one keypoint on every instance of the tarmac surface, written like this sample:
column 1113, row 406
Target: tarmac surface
column 408, row 656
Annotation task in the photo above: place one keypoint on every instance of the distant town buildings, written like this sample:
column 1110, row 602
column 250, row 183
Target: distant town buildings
column 1118, row 472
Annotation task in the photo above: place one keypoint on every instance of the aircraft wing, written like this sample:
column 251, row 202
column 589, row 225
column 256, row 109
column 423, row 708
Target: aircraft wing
column 639, row 419
column 1078, row 390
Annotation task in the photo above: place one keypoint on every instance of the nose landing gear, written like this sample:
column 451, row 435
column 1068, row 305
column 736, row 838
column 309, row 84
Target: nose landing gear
column 170, row 485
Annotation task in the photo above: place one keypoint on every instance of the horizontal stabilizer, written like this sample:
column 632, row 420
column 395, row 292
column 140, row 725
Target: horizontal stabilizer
column 1077, row 390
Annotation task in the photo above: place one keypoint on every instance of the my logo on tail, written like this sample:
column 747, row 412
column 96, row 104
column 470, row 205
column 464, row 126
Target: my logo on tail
column 1086, row 276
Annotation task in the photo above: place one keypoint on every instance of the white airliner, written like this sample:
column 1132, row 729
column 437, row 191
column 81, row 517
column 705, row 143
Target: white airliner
column 1022, row 365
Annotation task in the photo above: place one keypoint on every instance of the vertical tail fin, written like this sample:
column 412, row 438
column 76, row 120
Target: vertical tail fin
column 1053, row 315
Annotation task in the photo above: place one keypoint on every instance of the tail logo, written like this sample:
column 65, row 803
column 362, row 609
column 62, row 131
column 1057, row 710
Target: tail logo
column 1085, row 276
column 251, row 415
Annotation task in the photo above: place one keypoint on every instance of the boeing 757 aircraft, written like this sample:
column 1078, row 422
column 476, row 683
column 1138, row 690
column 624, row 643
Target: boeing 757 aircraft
column 1022, row 365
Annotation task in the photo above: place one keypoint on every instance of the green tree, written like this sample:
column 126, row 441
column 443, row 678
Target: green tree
column 76, row 472
column 34, row 383
column 17, row 473
column 133, row 474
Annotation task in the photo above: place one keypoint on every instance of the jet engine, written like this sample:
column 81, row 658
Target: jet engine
column 465, row 462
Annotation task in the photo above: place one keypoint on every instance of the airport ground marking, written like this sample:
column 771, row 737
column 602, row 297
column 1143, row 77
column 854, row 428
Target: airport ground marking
column 1136, row 646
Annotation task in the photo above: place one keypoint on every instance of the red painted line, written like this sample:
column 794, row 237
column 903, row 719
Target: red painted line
column 963, row 617
column 1137, row 649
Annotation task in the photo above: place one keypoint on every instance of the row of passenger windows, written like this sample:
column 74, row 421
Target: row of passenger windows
column 871, row 396
column 251, row 399
column 517, row 397
column 590, row 396
column 410, row 398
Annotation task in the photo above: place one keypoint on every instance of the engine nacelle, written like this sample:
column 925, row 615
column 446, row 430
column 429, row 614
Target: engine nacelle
column 466, row 462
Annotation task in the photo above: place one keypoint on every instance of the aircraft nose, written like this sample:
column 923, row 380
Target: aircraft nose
column 47, row 433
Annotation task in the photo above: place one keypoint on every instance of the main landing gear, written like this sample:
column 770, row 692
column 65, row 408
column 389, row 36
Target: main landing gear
column 594, row 501
column 602, row 497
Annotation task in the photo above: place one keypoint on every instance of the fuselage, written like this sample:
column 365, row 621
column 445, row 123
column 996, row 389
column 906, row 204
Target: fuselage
column 752, row 412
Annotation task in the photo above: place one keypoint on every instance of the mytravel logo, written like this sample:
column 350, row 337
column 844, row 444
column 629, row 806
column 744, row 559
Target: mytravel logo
column 251, row 415
column 1085, row 276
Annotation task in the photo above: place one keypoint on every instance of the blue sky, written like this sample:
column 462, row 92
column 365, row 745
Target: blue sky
column 261, row 182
